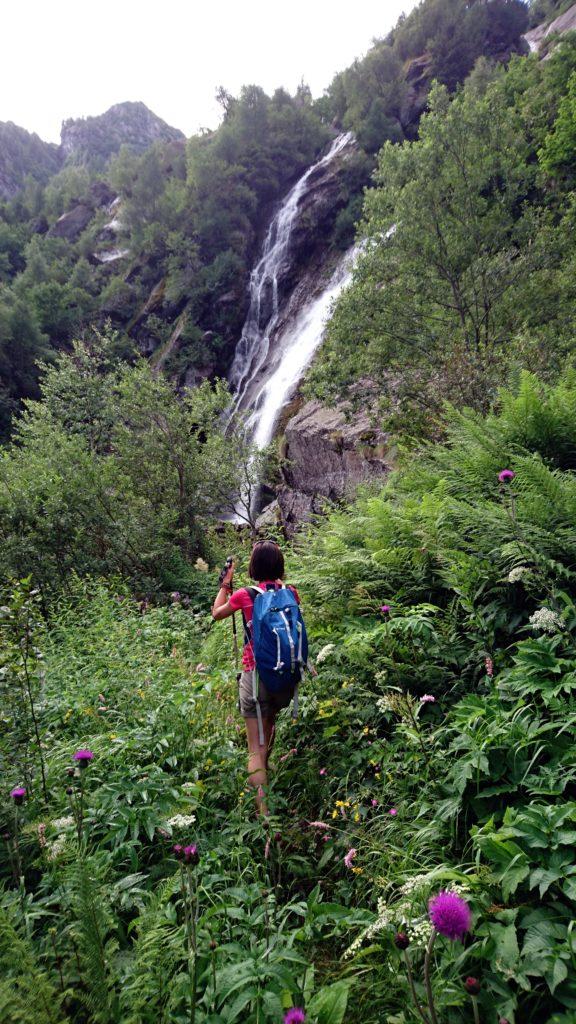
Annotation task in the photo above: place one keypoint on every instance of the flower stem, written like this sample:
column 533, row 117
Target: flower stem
column 412, row 988
column 192, row 916
column 475, row 1008
column 427, row 959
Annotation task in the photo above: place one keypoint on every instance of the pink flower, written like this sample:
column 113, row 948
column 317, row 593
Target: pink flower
column 18, row 794
column 393, row 812
column 506, row 476
column 322, row 771
column 450, row 915
column 427, row 698
column 83, row 757
column 385, row 609
column 349, row 857
column 489, row 667
column 374, row 802
column 294, row 1016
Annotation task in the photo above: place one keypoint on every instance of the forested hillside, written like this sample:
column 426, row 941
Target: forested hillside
column 172, row 255
column 418, row 862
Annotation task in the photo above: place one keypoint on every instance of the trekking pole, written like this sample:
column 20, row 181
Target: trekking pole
column 235, row 640
column 227, row 565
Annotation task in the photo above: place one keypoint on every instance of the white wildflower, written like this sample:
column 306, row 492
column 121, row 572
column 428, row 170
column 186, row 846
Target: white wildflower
column 546, row 621
column 201, row 565
column 420, row 932
column 63, row 823
column 391, row 701
column 325, row 653
column 188, row 787
column 517, row 573
column 383, row 920
column 181, row 820
column 55, row 849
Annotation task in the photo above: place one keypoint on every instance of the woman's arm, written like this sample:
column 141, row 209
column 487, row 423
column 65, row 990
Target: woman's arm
column 221, row 608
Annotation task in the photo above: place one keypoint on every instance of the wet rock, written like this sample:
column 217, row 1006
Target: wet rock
column 71, row 224
column 566, row 22
column 329, row 452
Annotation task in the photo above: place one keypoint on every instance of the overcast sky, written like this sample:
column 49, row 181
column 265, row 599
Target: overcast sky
column 72, row 58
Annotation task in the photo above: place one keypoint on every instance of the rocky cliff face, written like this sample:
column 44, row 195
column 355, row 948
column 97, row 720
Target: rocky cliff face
column 329, row 452
column 537, row 37
column 130, row 124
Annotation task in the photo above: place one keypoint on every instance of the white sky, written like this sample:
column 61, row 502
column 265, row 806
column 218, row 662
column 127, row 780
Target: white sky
column 71, row 59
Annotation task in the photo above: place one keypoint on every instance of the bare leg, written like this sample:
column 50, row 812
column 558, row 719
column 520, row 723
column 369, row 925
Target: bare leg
column 258, row 759
column 269, row 737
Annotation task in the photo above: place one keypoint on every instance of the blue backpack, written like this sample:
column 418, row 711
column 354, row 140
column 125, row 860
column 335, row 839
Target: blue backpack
column 279, row 637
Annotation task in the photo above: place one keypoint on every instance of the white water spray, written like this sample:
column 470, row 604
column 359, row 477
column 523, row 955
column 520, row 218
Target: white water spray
column 253, row 349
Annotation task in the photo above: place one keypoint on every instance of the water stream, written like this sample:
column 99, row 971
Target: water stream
column 264, row 375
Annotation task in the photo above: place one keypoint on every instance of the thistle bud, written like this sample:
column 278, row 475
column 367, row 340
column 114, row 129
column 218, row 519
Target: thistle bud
column 472, row 986
column 401, row 940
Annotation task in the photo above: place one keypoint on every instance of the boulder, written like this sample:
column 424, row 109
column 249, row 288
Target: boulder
column 71, row 224
column 329, row 451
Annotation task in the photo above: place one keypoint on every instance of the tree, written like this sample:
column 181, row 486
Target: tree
column 449, row 246
column 113, row 472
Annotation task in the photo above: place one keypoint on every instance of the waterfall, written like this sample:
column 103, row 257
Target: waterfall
column 253, row 349
column 295, row 347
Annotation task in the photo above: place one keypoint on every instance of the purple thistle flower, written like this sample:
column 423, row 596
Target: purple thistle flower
column 18, row 794
column 385, row 609
column 191, row 855
column 450, row 915
column 506, row 476
column 178, row 851
column 83, row 757
column 295, row 1015
column 393, row 811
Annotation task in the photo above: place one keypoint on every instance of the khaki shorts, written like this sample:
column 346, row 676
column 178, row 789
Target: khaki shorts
column 270, row 703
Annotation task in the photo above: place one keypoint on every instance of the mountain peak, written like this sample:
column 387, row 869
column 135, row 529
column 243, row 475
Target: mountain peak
column 130, row 123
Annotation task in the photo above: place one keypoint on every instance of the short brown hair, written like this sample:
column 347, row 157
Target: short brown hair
column 266, row 561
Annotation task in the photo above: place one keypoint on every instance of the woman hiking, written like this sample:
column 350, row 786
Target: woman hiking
column 259, row 713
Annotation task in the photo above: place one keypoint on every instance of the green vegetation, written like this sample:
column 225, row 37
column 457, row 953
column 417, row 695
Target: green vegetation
column 186, row 231
column 113, row 473
column 470, row 791
column 434, row 751
column 187, row 223
column 467, row 273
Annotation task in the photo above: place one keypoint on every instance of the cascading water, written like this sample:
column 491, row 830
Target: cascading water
column 253, row 349
column 295, row 347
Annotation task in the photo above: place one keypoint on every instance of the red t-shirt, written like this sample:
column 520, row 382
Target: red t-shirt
column 240, row 600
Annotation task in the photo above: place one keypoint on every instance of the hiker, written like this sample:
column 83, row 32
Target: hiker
column 258, row 704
